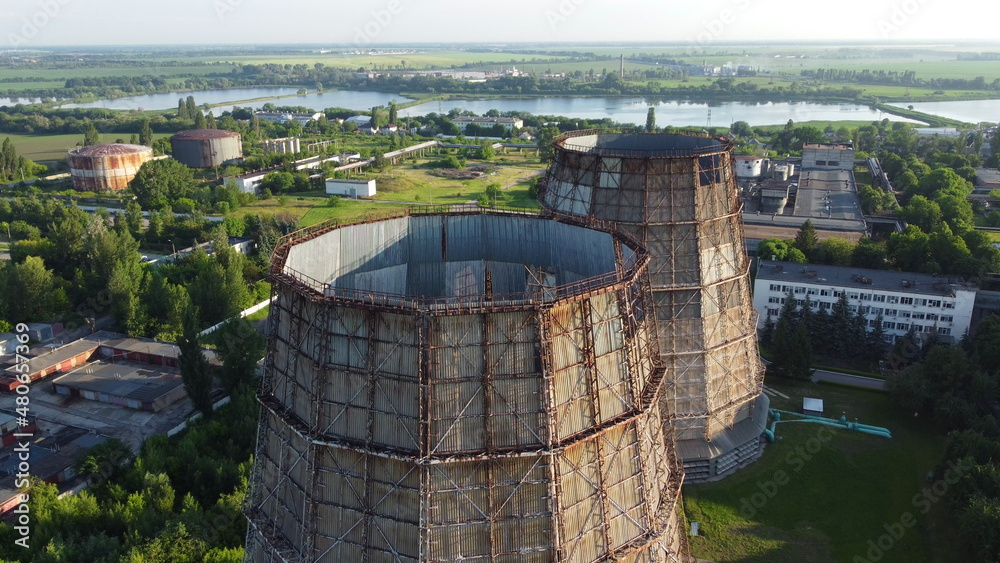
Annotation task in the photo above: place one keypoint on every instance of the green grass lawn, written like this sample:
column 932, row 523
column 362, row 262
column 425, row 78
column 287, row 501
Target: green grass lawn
column 839, row 493
column 411, row 183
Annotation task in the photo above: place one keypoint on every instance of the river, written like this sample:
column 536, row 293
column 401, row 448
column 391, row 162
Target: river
column 622, row 109
column 972, row 111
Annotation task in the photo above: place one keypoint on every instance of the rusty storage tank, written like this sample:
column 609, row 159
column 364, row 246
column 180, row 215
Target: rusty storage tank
column 678, row 195
column 102, row 168
column 206, row 148
column 462, row 387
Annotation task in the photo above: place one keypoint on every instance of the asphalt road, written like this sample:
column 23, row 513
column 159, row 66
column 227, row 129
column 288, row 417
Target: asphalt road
column 848, row 379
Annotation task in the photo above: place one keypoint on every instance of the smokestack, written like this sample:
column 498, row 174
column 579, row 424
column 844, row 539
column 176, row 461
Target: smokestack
column 623, row 66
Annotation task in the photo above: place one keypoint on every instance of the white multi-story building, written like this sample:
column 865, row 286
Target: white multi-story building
column 923, row 302
column 509, row 123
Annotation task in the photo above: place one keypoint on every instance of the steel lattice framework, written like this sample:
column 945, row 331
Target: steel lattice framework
column 463, row 386
column 677, row 194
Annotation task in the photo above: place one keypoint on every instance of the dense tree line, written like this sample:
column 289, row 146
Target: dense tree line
column 13, row 166
column 900, row 78
column 958, row 386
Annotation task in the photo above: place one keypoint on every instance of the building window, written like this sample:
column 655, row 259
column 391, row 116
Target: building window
column 920, row 302
column 824, row 305
column 800, row 290
column 833, row 163
column 799, row 302
column 772, row 312
column 866, row 296
column 919, row 316
column 853, row 309
column 774, row 300
column 810, row 292
column 865, row 309
column 932, row 316
column 906, row 301
column 903, row 327
column 933, row 302
column 918, row 328
column 949, row 305
column 877, row 310
column 893, row 299
column 889, row 325
column 890, row 312
column 837, row 293
column 945, row 331
column 878, row 298
column 947, row 318
column 852, row 295
column 904, row 314
column 775, row 287
column 824, row 292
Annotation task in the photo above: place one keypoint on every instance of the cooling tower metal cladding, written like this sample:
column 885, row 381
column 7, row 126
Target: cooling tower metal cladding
column 677, row 195
column 462, row 386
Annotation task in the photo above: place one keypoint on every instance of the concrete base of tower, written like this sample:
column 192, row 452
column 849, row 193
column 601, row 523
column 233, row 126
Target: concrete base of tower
column 727, row 451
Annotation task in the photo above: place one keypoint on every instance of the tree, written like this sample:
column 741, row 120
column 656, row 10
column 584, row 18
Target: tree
column 741, row 129
column 29, row 292
column 835, row 251
column 651, row 120
column 239, row 346
column 146, row 134
column 159, row 183
column 194, row 366
column 199, row 120
column 807, row 239
column 393, row 112
column 133, row 218
column 922, row 212
column 91, row 137
column 191, row 107
column 486, row 151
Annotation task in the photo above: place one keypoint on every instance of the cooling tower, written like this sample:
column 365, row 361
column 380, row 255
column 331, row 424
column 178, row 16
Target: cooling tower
column 476, row 387
column 677, row 195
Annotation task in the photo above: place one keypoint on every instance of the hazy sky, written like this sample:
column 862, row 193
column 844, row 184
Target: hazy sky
column 35, row 23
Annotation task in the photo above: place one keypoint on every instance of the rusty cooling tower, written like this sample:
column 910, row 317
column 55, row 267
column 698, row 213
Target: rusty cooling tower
column 677, row 195
column 462, row 387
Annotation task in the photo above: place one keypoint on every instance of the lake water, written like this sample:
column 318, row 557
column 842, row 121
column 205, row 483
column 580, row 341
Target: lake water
column 349, row 99
column 633, row 110
column 972, row 111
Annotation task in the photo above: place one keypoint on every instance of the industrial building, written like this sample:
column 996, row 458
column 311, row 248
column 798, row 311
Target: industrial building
column 677, row 194
column 463, row 386
column 285, row 117
column 122, row 384
column 350, row 188
column 827, row 156
column 509, row 123
column 206, row 148
column 922, row 302
column 104, row 168
column 749, row 167
column 285, row 145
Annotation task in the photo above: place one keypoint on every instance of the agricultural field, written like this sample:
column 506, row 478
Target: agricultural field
column 420, row 60
column 51, row 150
column 821, row 495
column 151, row 68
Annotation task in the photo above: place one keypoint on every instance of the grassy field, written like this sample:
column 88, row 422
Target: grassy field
column 839, row 490
column 152, row 68
column 51, row 149
column 412, row 183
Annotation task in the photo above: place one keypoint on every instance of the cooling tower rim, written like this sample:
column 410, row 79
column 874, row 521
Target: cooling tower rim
column 633, row 271
column 717, row 145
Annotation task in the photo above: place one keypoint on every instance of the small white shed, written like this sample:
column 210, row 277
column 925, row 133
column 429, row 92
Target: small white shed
column 350, row 188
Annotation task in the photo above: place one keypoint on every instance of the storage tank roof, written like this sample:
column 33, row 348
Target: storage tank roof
column 204, row 134
column 110, row 150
